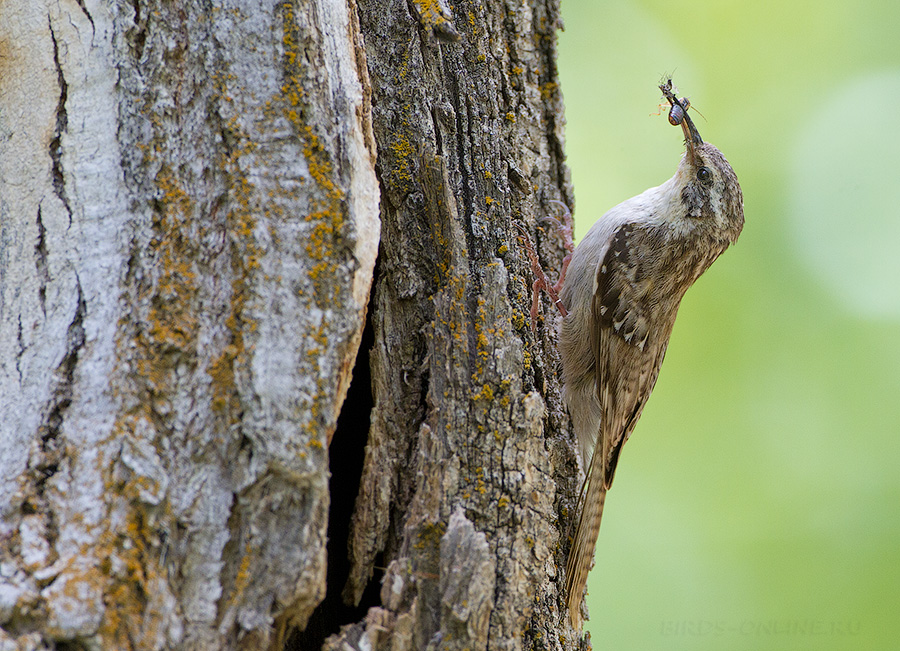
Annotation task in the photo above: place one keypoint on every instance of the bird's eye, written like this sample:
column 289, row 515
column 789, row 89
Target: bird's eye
column 704, row 175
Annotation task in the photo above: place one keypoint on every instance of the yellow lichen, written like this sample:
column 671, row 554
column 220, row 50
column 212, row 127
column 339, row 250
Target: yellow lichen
column 430, row 13
column 485, row 393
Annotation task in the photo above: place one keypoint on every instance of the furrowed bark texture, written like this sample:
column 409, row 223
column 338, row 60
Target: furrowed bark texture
column 190, row 211
column 469, row 478
column 188, row 230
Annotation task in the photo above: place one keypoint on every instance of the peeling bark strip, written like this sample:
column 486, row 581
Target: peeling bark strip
column 188, row 230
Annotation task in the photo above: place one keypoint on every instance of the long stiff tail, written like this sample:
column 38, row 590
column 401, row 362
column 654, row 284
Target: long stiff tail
column 582, row 554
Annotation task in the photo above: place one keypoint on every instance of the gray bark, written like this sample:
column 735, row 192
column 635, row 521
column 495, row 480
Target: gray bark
column 188, row 225
column 190, row 210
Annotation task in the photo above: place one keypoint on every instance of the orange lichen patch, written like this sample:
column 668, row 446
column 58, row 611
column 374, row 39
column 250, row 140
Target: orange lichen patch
column 430, row 13
column 548, row 90
column 326, row 210
column 403, row 68
column 242, row 580
column 129, row 571
column 222, row 373
column 505, row 391
column 486, row 393
column 320, row 167
column 243, row 577
column 171, row 322
column 156, row 341
column 245, row 261
column 324, row 233
column 429, row 535
column 402, row 170
column 482, row 330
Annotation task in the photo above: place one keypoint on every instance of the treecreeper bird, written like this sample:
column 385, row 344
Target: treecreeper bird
column 619, row 296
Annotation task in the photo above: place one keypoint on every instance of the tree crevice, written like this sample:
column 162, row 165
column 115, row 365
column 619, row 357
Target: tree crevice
column 62, row 125
column 52, row 450
column 346, row 454
column 40, row 262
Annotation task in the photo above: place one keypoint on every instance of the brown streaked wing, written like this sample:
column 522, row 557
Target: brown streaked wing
column 627, row 354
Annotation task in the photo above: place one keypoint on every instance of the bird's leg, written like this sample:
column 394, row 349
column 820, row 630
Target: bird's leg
column 541, row 282
column 566, row 228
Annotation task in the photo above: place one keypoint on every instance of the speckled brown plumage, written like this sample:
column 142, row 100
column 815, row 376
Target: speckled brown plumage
column 623, row 287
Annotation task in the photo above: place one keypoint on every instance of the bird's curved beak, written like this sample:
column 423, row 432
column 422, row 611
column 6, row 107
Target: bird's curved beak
column 692, row 138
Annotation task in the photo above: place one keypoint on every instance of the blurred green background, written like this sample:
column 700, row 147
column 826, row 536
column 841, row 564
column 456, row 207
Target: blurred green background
column 757, row 506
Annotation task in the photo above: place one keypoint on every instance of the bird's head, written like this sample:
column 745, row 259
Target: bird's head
column 710, row 192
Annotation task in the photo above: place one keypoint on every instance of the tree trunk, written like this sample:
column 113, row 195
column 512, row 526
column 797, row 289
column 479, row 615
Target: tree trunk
column 190, row 210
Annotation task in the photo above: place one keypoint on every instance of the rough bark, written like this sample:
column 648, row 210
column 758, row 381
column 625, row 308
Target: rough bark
column 190, row 210
column 188, row 218
column 469, row 476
